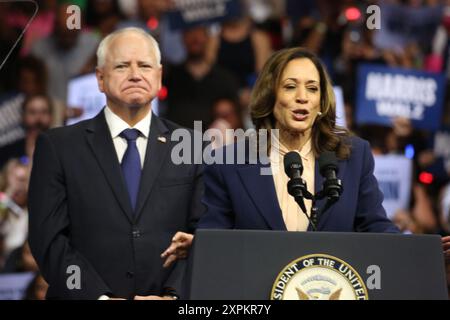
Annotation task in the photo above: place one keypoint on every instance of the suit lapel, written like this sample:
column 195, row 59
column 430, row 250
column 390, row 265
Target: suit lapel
column 318, row 182
column 101, row 144
column 154, row 158
column 262, row 191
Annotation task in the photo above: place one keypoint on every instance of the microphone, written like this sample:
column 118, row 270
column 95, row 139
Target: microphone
column 293, row 167
column 328, row 166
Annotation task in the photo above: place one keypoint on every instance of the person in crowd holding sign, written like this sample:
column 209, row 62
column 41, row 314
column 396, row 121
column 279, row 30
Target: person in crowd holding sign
column 99, row 190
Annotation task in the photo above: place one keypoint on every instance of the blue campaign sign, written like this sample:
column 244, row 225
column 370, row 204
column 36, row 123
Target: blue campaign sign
column 189, row 13
column 384, row 93
column 402, row 24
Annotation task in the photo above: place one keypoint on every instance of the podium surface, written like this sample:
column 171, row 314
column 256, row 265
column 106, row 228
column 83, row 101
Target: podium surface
column 251, row 264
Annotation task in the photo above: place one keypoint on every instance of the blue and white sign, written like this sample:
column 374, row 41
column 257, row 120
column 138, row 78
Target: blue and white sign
column 188, row 13
column 384, row 93
column 394, row 175
column 402, row 24
column 14, row 285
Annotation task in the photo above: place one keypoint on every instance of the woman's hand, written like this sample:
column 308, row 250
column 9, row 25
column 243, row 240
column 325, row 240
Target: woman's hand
column 178, row 249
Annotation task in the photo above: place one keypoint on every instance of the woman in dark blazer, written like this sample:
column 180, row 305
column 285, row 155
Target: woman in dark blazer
column 294, row 95
column 294, row 98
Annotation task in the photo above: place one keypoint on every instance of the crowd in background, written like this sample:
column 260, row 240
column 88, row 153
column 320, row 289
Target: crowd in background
column 209, row 71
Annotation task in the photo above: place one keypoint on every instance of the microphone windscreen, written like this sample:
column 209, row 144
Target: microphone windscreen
column 328, row 160
column 292, row 160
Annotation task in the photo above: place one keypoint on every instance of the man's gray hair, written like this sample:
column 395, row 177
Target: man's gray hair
column 104, row 44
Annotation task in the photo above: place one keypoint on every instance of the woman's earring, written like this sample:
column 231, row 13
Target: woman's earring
column 319, row 114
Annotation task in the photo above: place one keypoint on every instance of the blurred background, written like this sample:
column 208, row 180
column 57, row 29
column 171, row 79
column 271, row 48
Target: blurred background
column 389, row 65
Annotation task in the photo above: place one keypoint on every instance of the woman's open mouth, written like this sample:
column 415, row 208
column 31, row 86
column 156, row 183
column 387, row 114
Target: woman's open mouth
column 300, row 114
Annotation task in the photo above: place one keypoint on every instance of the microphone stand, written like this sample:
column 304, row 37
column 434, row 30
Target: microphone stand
column 315, row 213
column 332, row 190
column 299, row 183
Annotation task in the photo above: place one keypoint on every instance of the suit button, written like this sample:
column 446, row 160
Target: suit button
column 136, row 234
column 130, row 274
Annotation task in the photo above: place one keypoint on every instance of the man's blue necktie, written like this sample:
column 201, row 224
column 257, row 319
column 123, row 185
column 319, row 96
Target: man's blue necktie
column 131, row 165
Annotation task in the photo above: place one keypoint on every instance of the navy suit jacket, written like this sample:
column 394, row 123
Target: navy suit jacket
column 81, row 215
column 237, row 196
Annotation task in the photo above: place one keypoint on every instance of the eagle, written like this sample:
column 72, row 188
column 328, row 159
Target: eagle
column 304, row 296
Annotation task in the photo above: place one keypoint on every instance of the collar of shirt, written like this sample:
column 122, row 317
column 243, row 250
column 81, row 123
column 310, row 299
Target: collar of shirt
column 305, row 152
column 117, row 125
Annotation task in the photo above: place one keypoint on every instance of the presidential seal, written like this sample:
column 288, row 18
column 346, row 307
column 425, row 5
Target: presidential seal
column 319, row 277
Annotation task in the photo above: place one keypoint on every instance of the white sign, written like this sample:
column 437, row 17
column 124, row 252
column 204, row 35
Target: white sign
column 83, row 93
column 442, row 147
column 394, row 175
column 340, row 110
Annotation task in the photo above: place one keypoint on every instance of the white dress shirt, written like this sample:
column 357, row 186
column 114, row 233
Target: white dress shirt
column 117, row 125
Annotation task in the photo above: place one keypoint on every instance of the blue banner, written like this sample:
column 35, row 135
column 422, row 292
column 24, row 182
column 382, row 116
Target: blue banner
column 402, row 24
column 189, row 13
column 384, row 93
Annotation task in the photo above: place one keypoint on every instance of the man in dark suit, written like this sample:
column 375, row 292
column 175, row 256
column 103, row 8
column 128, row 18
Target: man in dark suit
column 105, row 197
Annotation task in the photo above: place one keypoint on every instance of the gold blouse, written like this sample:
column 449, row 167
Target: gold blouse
column 293, row 216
